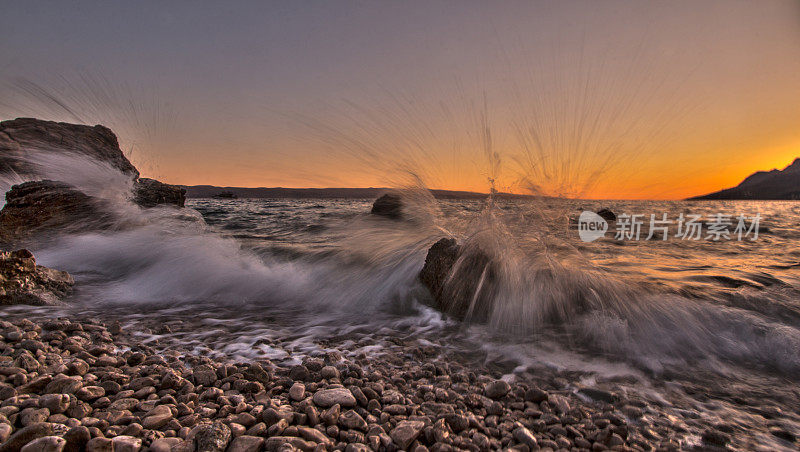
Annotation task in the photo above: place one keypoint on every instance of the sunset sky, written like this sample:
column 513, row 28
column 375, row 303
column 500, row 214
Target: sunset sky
column 613, row 99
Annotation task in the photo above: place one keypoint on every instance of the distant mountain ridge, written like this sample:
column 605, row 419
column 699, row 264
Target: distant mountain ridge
column 209, row 191
column 764, row 185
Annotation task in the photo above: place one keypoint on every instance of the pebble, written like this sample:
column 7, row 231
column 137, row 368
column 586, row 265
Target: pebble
column 297, row 391
column 406, row 432
column 45, row 444
column 79, row 391
column 497, row 389
column 246, row 443
column 337, row 396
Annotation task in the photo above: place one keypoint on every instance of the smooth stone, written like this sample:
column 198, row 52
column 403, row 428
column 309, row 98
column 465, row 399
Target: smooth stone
column 297, row 391
column 45, row 444
column 496, row 389
column 329, row 397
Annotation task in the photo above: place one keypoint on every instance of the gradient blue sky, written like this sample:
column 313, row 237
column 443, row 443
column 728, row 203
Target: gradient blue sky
column 686, row 96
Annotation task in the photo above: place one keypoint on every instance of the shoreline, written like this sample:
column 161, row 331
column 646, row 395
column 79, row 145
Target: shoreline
column 89, row 383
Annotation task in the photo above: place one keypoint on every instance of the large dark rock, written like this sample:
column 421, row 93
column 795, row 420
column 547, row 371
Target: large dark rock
column 389, row 205
column 24, row 282
column 150, row 193
column 462, row 280
column 44, row 206
column 22, row 136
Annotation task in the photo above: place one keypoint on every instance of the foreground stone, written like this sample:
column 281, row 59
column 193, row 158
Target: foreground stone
column 24, row 282
column 78, row 385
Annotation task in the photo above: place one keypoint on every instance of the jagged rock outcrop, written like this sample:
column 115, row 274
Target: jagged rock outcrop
column 462, row 280
column 150, row 193
column 22, row 136
column 766, row 185
column 24, row 282
column 389, row 205
column 37, row 207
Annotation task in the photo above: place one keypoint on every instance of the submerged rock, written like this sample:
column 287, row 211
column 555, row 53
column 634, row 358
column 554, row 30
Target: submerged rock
column 23, row 136
column 389, row 205
column 40, row 206
column 607, row 215
column 150, row 193
column 461, row 279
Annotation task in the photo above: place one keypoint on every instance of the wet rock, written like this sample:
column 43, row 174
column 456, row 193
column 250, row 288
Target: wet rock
column 599, row 394
column 536, row 395
column 24, row 282
column 496, row 389
column 337, row 396
column 456, row 276
column 715, row 438
column 389, row 205
column 44, row 207
column 607, row 215
column 151, row 193
column 783, row 434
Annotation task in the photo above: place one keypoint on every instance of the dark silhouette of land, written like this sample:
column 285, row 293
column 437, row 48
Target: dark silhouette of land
column 764, row 185
column 210, row 191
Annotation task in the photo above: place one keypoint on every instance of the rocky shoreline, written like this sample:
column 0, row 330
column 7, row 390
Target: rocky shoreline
column 73, row 380
column 81, row 385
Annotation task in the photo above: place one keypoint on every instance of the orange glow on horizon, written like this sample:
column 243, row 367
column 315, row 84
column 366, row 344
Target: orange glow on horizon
column 654, row 182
